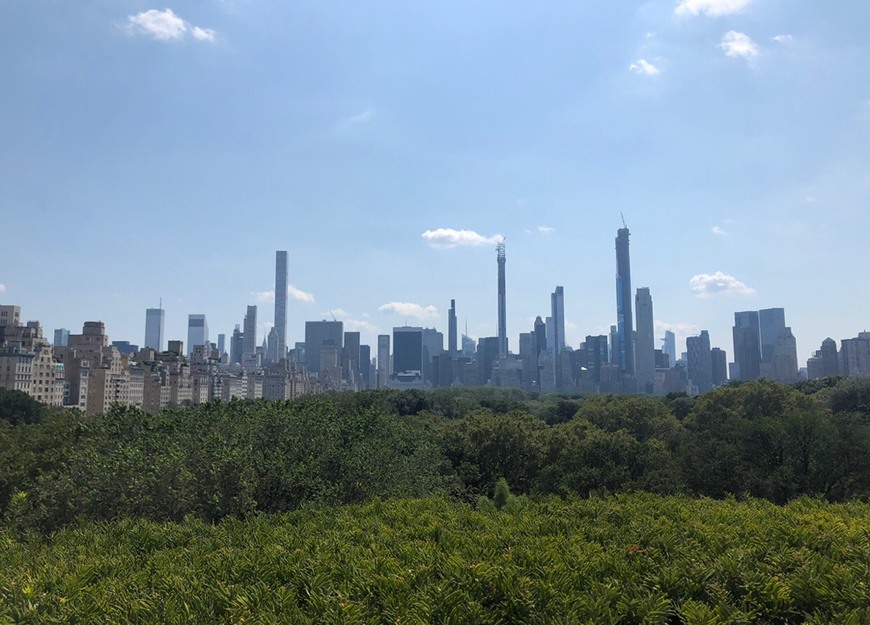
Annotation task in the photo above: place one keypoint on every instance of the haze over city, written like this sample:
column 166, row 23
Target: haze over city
column 152, row 152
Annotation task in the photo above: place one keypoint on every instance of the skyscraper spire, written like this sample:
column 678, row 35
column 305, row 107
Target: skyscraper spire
column 502, row 310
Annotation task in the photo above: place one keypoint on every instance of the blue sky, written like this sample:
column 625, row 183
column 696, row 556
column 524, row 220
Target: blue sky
column 167, row 150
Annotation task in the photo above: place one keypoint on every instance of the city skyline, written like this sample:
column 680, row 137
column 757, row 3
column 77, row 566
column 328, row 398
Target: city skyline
column 172, row 149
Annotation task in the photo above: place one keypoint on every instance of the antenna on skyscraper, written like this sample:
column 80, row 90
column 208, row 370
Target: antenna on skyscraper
column 623, row 219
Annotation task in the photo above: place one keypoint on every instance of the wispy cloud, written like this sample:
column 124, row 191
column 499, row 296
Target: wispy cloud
column 355, row 120
column 642, row 66
column 408, row 309
column 267, row 297
column 709, row 285
column 2, row 288
column 738, row 45
column 719, row 231
column 445, row 238
column 546, row 229
column 299, row 295
column 166, row 26
column 351, row 324
column 710, row 7
column 783, row 39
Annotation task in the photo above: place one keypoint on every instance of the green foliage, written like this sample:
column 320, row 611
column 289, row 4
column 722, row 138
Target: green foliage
column 17, row 407
column 239, row 459
column 501, row 494
column 627, row 559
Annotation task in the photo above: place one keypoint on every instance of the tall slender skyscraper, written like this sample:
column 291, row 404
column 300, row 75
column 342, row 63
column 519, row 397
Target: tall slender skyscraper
column 154, row 318
column 502, row 309
column 281, row 302
column 249, row 342
column 646, row 342
column 451, row 330
column 624, row 320
column 383, row 359
column 557, row 308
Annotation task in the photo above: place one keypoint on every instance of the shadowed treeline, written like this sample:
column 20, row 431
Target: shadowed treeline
column 234, row 459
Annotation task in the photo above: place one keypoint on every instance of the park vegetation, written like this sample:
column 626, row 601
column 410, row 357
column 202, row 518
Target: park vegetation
column 747, row 504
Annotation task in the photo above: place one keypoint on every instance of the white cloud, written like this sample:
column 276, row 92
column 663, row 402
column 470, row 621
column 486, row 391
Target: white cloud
column 2, row 288
column 166, row 26
column 644, row 67
column 546, row 229
column 408, row 309
column 202, row 34
column 709, row 285
column 356, row 120
column 783, row 39
column 445, row 238
column 710, row 7
column 299, row 295
column 719, row 231
column 359, row 325
column 268, row 297
column 738, row 45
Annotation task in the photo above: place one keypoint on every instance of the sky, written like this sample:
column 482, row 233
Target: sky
column 166, row 151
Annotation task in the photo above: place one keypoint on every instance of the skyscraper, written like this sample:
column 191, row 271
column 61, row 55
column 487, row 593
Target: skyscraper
column 771, row 322
column 383, row 359
column 154, row 319
column 61, row 337
column 747, row 346
column 646, row 342
column 502, row 307
column 669, row 347
column 451, row 330
column 318, row 334
column 249, row 342
column 281, row 302
column 197, row 332
column 557, row 310
column 624, row 317
column 700, row 362
column 408, row 350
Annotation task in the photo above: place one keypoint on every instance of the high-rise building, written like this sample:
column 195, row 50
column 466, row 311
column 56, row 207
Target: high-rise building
column 825, row 362
column 646, row 342
column 669, row 347
column 855, row 356
column 557, row 310
column 237, row 342
column 318, row 334
column 61, row 337
column 624, row 317
column 451, row 330
column 154, row 320
column 249, row 342
column 350, row 360
column 407, row 350
column 281, row 302
column 272, row 353
column 365, row 367
column 221, row 344
column 719, row 360
column 540, row 333
column 197, row 332
column 383, row 359
column 596, row 356
column 614, row 346
column 771, row 322
column 502, row 306
column 10, row 316
column 700, row 362
column 747, row 346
